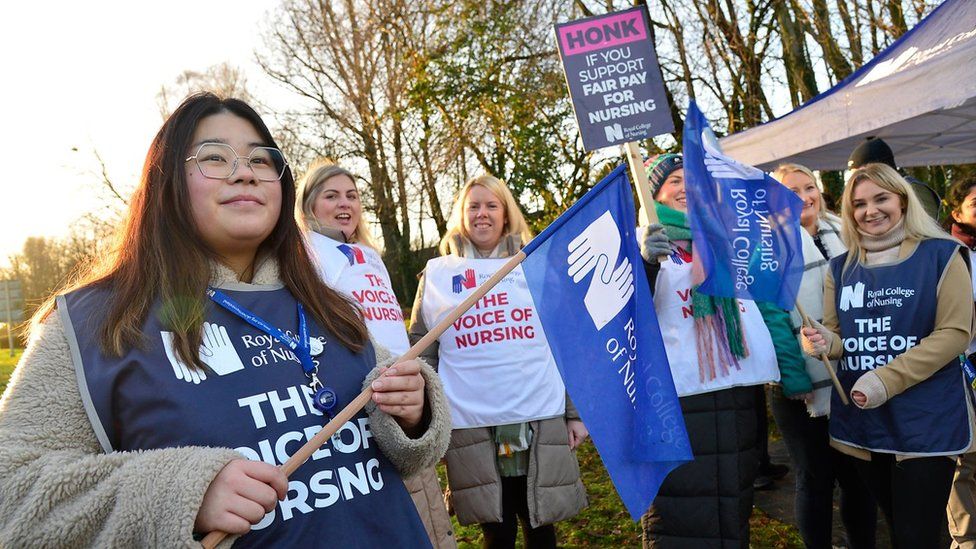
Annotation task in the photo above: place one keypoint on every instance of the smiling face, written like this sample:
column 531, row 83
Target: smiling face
column 233, row 215
column 337, row 205
column 484, row 218
column 965, row 214
column 805, row 188
column 876, row 210
column 672, row 192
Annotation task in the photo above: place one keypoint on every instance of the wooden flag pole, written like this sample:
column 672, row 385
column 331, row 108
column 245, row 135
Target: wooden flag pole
column 825, row 360
column 638, row 174
column 299, row 457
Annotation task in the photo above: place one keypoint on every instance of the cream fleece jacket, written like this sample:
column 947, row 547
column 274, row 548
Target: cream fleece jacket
column 58, row 488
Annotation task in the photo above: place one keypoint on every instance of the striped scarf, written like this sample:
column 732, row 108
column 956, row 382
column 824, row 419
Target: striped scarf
column 718, row 324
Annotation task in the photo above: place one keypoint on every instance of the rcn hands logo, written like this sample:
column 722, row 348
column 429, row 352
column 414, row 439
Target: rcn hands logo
column 353, row 254
column 852, row 296
column 724, row 167
column 216, row 351
column 597, row 250
column 463, row 282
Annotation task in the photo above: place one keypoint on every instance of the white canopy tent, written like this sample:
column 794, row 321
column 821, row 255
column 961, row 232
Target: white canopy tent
column 919, row 95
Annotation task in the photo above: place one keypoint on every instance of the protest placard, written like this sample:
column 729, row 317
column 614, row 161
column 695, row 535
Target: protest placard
column 614, row 78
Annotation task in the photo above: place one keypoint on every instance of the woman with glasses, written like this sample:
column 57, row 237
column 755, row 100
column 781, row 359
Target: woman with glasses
column 350, row 262
column 160, row 390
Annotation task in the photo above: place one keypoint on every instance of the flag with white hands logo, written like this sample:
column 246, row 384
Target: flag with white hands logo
column 745, row 225
column 587, row 280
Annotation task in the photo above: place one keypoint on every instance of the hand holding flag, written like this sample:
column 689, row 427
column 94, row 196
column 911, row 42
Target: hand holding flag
column 604, row 335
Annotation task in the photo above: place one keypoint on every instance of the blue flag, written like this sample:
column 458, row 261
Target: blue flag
column 745, row 224
column 587, row 279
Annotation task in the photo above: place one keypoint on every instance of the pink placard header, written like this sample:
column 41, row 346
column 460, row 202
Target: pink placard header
column 603, row 32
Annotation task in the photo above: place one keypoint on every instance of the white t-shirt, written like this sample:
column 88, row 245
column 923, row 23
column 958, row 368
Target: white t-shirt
column 358, row 271
column 495, row 361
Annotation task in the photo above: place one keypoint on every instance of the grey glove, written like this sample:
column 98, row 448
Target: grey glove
column 655, row 243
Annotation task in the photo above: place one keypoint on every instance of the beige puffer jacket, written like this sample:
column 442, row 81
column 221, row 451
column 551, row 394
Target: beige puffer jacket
column 425, row 490
column 555, row 490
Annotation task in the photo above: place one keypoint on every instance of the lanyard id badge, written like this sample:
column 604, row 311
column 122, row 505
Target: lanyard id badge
column 324, row 398
column 969, row 370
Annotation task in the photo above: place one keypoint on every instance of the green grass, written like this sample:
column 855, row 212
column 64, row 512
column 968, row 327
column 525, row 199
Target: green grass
column 7, row 364
column 606, row 523
column 766, row 531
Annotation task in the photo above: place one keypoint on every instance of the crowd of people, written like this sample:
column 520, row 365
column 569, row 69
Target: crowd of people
column 889, row 295
column 238, row 312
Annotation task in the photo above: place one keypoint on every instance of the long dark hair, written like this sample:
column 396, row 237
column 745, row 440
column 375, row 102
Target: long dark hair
column 159, row 253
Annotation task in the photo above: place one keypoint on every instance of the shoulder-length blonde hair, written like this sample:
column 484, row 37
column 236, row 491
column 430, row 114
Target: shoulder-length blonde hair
column 918, row 224
column 514, row 220
column 783, row 170
column 310, row 187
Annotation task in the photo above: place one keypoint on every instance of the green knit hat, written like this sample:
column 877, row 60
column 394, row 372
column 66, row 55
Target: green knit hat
column 660, row 167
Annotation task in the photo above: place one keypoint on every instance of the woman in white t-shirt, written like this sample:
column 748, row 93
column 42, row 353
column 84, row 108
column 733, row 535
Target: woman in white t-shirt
column 349, row 261
column 510, row 460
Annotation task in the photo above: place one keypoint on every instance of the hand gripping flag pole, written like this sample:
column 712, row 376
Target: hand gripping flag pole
column 353, row 408
column 638, row 174
column 825, row 360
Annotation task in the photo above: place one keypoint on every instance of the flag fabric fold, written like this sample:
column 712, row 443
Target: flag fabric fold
column 745, row 224
column 587, row 280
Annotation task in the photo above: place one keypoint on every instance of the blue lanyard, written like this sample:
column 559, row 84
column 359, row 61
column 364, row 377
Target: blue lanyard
column 968, row 370
column 324, row 398
column 300, row 346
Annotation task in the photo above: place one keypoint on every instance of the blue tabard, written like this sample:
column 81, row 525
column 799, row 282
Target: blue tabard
column 885, row 310
column 255, row 399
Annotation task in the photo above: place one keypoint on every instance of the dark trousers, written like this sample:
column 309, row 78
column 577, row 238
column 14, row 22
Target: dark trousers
column 912, row 494
column 762, row 428
column 817, row 467
column 515, row 507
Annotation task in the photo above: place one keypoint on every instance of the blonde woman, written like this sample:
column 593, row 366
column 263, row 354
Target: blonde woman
column 802, row 419
column 897, row 314
column 349, row 260
column 821, row 242
column 510, row 457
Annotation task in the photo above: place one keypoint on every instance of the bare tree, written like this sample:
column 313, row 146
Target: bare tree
column 222, row 79
column 349, row 61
